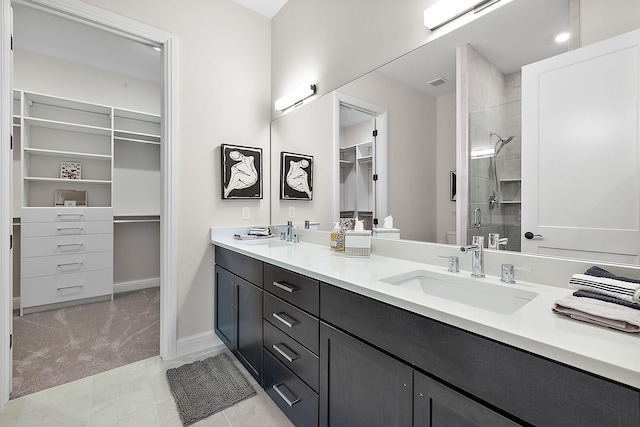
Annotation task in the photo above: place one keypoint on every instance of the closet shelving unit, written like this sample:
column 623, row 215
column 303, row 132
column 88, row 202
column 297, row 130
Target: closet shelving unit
column 356, row 179
column 67, row 252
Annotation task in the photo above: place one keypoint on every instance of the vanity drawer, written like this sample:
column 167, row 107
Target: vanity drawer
column 75, row 228
column 241, row 265
column 56, row 245
column 292, row 321
column 296, row 399
column 67, row 214
column 292, row 354
column 294, row 288
column 64, row 264
column 65, row 287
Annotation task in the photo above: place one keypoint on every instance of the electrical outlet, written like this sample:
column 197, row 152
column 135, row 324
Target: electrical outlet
column 292, row 211
column 245, row 212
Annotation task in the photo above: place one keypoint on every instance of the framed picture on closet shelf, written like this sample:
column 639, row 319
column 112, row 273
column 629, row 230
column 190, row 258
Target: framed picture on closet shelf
column 296, row 176
column 70, row 170
column 241, row 169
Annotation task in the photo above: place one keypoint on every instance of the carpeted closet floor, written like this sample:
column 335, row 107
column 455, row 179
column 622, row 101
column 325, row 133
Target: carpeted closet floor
column 58, row 346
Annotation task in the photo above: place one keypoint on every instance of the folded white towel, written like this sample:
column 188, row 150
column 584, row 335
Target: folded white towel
column 599, row 312
column 602, row 285
column 252, row 236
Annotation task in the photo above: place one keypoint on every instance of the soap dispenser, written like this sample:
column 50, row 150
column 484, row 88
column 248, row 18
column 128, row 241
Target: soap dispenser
column 337, row 238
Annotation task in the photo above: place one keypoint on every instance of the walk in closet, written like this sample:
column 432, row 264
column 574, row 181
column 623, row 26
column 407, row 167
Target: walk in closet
column 89, row 192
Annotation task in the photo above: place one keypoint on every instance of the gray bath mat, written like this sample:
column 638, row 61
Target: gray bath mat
column 205, row 387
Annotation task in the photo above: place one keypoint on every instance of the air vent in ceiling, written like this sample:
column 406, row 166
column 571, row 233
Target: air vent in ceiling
column 438, row 81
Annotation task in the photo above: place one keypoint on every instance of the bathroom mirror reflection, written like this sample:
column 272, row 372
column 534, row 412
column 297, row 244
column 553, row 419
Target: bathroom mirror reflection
column 465, row 83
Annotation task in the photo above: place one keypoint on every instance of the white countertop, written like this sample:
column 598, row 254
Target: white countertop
column 535, row 328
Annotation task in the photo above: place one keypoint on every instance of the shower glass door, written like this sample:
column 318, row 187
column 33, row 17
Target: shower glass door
column 495, row 173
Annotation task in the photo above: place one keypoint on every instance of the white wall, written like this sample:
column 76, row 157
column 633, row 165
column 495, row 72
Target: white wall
column 601, row 19
column 331, row 42
column 223, row 95
column 44, row 74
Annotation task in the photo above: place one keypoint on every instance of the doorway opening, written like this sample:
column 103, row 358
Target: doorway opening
column 149, row 36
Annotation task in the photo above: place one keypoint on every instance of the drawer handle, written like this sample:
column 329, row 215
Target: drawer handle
column 70, row 244
column 285, row 287
column 70, row 228
column 281, row 317
column 71, row 214
column 62, row 264
column 62, row 288
column 283, row 394
column 283, row 353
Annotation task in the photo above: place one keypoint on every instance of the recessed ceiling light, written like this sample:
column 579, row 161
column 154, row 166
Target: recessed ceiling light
column 563, row 37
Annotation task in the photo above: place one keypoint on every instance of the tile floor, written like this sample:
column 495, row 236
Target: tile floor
column 135, row 395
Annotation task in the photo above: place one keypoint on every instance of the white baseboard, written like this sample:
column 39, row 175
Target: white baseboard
column 197, row 343
column 134, row 285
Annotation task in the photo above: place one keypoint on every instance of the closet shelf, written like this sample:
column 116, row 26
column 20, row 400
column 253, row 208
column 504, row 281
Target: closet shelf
column 65, row 126
column 67, row 181
column 73, row 154
column 141, row 141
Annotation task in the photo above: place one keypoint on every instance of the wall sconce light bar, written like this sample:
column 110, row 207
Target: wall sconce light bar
column 295, row 97
column 446, row 11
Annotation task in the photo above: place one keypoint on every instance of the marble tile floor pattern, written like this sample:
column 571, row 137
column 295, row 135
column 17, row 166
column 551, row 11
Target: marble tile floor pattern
column 135, row 395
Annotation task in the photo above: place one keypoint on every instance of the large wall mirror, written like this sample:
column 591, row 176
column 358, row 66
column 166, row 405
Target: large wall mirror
column 453, row 104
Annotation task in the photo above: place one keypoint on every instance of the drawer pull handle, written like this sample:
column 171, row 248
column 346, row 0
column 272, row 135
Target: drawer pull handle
column 281, row 317
column 62, row 264
column 71, row 214
column 289, row 400
column 62, row 288
column 283, row 353
column 285, row 287
column 69, row 244
column 70, row 228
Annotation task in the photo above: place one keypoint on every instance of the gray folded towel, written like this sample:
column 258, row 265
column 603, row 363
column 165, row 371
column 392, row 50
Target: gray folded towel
column 627, row 291
column 601, row 297
column 599, row 312
column 601, row 272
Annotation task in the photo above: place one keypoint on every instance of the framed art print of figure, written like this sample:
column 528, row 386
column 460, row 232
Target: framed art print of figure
column 241, row 172
column 296, row 176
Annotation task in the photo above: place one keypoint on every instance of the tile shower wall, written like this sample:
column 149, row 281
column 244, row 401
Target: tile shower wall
column 495, row 105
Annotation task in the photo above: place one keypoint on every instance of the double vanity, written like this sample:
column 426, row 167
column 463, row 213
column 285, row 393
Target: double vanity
column 389, row 341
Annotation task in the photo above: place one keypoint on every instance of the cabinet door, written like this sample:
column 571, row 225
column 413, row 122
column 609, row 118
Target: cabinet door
column 249, row 345
column 436, row 405
column 225, row 316
column 361, row 386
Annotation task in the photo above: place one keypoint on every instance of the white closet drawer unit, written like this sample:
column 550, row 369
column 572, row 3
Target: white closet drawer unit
column 65, row 214
column 65, row 264
column 36, row 229
column 65, row 287
column 60, row 245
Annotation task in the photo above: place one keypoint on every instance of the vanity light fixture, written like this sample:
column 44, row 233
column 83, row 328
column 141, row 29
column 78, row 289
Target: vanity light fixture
column 563, row 37
column 295, row 97
column 446, row 11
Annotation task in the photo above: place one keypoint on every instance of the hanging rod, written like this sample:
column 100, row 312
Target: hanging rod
column 31, row 102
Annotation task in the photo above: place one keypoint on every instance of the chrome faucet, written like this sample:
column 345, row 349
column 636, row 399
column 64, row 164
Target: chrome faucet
column 477, row 256
column 289, row 231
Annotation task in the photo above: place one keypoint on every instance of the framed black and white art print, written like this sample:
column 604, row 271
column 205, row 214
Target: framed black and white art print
column 296, row 176
column 241, row 172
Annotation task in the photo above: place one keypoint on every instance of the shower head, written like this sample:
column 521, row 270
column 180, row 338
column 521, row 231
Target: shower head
column 501, row 142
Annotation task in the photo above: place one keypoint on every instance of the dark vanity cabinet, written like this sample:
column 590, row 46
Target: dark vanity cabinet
column 238, row 308
column 331, row 357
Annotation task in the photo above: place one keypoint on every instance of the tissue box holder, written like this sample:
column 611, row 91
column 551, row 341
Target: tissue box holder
column 387, row 233
column 357, row 244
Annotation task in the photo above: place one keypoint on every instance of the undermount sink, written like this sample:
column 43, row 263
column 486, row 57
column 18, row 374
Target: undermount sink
column 501, row 299
column 272, row 243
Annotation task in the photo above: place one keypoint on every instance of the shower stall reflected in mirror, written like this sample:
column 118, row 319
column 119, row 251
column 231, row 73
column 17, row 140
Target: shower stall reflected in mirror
column 495, row 174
